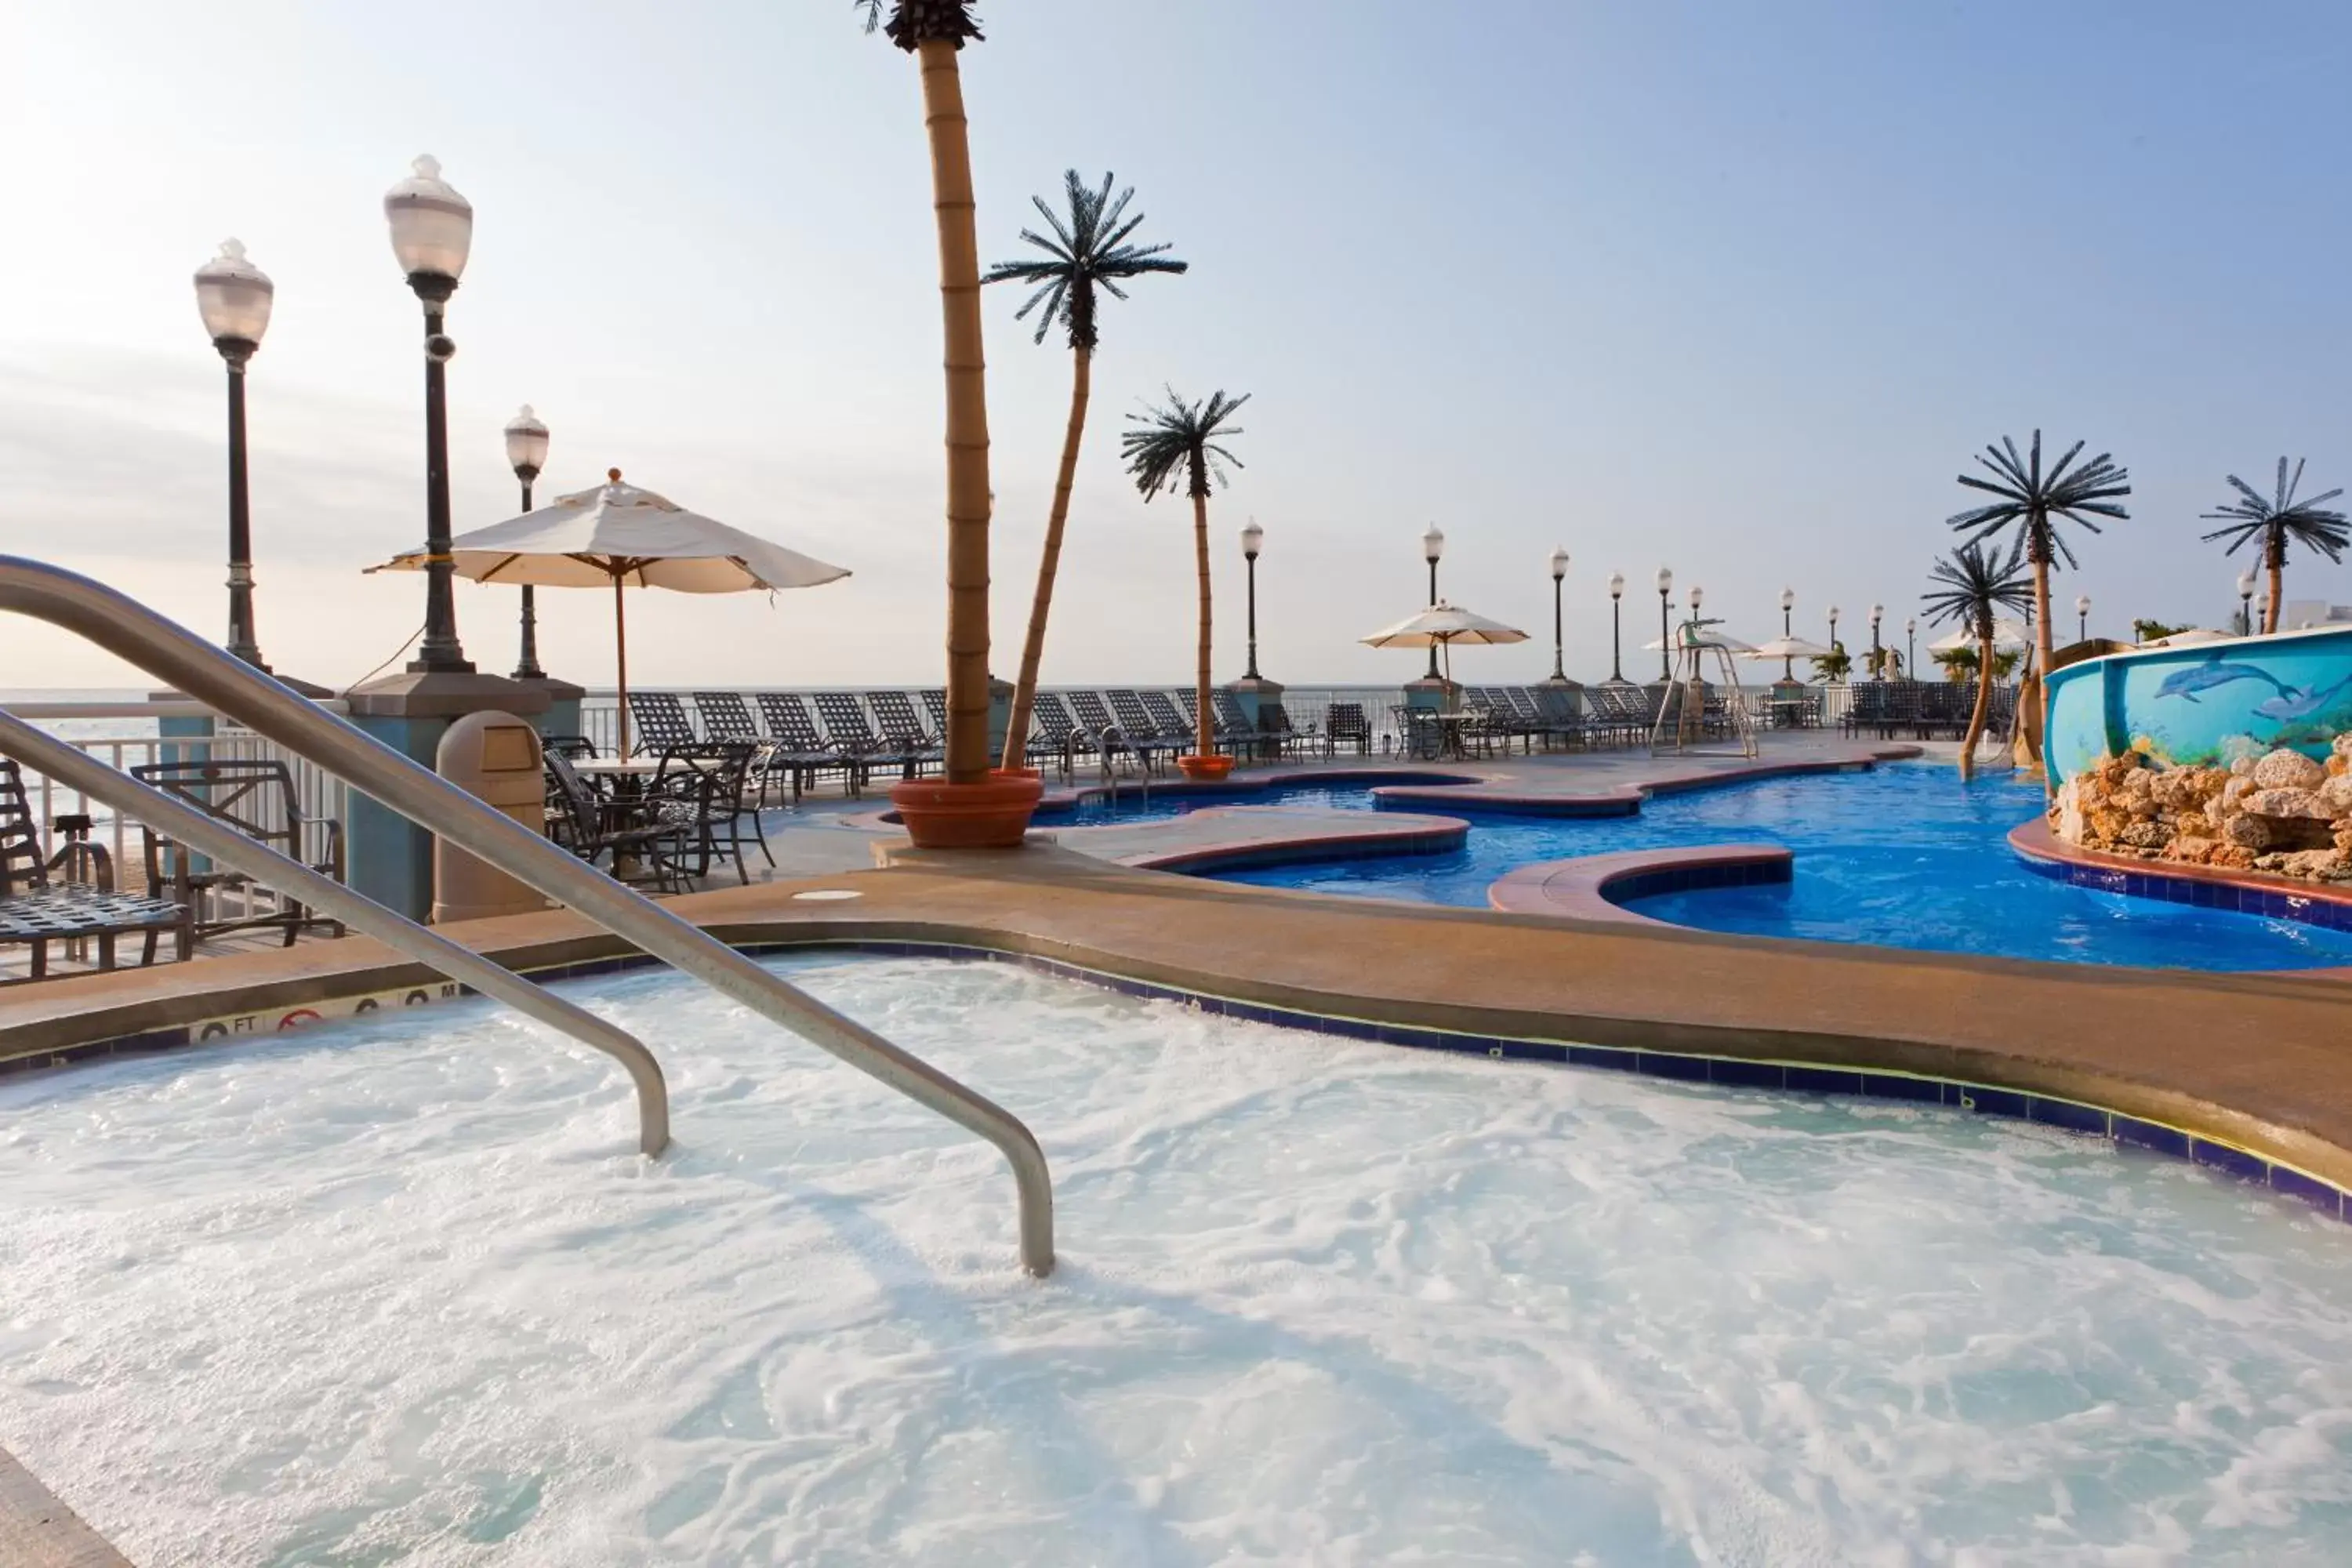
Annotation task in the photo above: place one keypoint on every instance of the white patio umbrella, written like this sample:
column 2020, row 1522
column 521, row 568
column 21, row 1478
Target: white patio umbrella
column 1443, row 624
column 617, row 534
column 2008, row 636
column 1785, row 647
column 2191, row 637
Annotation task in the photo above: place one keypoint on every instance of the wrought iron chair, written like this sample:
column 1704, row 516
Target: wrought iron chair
column 797, row 751
column 903, row 732
column 71, row 896
column 255, row 796
column 1345, row 724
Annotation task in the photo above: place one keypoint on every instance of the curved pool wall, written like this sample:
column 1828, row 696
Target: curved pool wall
column 2205, row 703
column 2196, row 1145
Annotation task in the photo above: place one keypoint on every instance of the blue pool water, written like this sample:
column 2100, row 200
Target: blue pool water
column 1904, row 855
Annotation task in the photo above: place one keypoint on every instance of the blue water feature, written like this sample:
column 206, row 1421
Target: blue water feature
column 1901, row 856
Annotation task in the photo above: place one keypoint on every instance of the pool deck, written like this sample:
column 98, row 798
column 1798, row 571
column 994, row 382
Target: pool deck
column 2258, row 1062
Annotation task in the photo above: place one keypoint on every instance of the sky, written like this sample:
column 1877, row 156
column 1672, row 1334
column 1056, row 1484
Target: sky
column 1734, row 289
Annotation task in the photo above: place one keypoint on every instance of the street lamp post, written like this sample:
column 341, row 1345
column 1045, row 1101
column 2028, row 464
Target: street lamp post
column 1833, row 642
column 1558, row 574
column 2081, row 617
column 1432, row 546
column 1910, row 646
column 1253, row 541
column 234, row 297
column 2246, row 600
column 1616, row 627
column 1877, row 662
column 432, row 230
column 527, row 454
column 1666, row 588
column 1788, row 662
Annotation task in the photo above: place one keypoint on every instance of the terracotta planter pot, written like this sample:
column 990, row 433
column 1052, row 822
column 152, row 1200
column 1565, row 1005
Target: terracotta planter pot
column 990, row 814
column 1018, row 773
column 1207, row 769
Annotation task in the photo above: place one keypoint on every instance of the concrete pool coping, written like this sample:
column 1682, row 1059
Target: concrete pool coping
column 1596, row 887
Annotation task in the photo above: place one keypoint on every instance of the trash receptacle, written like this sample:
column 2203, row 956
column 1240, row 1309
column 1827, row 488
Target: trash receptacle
column 494, row 757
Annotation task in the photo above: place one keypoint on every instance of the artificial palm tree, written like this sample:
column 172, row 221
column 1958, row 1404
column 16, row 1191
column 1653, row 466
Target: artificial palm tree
column 1833, row 666
column 2031, row 500
column 1971, row 588
column 1089, row 248
column 935, row 32
column 2276, row 523
column 1175, row 447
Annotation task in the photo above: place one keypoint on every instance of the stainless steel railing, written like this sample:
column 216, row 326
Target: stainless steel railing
column 125, row 628
column 78, row 770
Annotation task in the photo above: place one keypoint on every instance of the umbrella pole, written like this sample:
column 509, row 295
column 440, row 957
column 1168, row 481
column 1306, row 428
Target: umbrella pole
column 621, row 656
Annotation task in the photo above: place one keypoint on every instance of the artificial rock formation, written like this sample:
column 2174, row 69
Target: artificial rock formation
column 2279, row 812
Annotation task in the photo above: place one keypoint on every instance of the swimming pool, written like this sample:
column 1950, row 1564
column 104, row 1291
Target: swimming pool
column 1902, row 854
column 399, row 1292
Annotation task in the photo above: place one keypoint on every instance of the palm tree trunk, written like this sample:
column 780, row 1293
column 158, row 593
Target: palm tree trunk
column 1032, row 650
column 967, row 423
column 1983, row 709
column 2027, row 752
column 2278, row 585
column 1204, row 743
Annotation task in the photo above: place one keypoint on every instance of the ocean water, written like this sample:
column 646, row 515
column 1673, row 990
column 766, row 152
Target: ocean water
column 402, row 1294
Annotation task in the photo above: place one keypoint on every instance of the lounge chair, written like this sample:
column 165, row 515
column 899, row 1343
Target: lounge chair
column 255, row 796
column 1167, row 720
column 846, row 726
column 41, row 901
column 1236, row 731
column 796, row 749
column 657, row 723
column 904, row 732
column 1110, row 737
column 1061, row 737
column 725, row 717
column 1144, row 732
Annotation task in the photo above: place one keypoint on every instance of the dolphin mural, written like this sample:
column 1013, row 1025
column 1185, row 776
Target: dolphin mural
column 2291, row 704
column 2186, row 683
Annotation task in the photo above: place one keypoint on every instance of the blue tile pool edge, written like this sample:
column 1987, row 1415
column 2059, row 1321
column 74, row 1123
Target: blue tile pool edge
column 1728, row 1072
column 2140, row 880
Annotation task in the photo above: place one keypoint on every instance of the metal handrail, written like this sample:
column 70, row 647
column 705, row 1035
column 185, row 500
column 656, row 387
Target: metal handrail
column 124, row 626
column 134, row 798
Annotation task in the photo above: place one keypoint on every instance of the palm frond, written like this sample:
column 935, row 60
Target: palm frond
column 1176, row 446
column 1973, row 585
column 2280, row 520
column 912, row 23
column 2032, row 500
column 1089, row 248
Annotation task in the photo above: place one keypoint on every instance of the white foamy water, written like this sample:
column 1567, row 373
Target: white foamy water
column 399, row 1293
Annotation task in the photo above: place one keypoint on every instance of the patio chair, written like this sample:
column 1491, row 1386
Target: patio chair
column 797, row 751
column 657, row 722
column 255, row 796
column 846, row 726
column 1143, row 731
column 643, row 849
column 1285, row 738
column 574, row 748
column 904, row 732
column 71, row 896
column 1344, row 724
column 706, row 793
